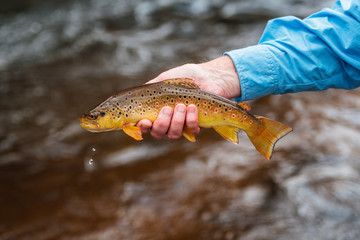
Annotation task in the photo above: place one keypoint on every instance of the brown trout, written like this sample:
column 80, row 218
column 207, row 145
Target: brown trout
column 125, row 109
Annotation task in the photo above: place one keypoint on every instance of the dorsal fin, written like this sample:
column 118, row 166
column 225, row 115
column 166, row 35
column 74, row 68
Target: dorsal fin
column 182, row 81
column 245, row 106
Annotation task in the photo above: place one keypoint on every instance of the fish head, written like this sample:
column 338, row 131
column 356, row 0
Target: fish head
column 101, row 119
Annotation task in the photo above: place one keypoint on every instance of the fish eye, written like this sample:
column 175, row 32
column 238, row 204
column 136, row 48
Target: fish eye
column 102, row 114
column 93, row 116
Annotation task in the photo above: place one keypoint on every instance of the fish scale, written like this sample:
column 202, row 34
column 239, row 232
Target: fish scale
column 125, row 109
column 148, row 104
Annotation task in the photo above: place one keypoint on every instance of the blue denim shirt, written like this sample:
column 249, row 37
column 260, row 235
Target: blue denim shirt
column 319, row 52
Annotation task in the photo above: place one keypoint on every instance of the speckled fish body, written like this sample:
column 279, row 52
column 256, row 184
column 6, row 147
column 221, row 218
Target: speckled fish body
column 125, row 109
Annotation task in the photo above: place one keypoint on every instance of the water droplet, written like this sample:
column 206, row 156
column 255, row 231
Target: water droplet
column 93, row 149
column 91, row 162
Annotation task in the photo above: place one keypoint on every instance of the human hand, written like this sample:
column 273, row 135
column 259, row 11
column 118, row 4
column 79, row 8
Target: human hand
column 218, row 76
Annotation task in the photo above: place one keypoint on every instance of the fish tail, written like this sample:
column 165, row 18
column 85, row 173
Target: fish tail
column 269, row 133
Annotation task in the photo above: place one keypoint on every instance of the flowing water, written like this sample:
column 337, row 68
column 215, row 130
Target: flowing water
column 58, row 181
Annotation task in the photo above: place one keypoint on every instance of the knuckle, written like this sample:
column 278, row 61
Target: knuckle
column 177, row 122
column 162, row 127
column 156, row 135
column 174, row 136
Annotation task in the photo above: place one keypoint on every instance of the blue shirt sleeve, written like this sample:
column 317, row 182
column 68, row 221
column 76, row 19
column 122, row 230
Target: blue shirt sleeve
column 320, row 52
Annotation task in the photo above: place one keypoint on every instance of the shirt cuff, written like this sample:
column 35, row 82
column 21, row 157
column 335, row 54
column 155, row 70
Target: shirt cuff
column 256, row 70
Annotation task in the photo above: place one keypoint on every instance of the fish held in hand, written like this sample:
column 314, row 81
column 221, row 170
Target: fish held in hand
column 125, row 109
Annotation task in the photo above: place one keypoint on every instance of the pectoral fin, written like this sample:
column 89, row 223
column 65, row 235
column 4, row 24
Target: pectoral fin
column 133, row 131
column 188, row 134
column 229, row 133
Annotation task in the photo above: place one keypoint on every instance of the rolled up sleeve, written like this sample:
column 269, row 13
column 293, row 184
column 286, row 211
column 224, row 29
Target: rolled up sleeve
column 319, row 52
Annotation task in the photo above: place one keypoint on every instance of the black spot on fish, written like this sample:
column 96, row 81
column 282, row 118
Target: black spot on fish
column 102, row 114
column 131, row 100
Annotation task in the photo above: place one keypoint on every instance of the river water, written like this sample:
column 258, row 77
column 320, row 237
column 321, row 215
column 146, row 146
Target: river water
column 58, row 181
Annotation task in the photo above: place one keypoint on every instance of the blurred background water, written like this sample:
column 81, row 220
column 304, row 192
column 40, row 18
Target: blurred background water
column 57, row 181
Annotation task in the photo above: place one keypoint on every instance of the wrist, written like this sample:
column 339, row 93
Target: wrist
column 223, row 72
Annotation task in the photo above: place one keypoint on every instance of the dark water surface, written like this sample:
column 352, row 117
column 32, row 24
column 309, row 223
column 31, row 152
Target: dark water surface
column 58, row 181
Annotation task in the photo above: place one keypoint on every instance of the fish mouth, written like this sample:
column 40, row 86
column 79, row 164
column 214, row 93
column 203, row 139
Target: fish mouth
column 92, row 127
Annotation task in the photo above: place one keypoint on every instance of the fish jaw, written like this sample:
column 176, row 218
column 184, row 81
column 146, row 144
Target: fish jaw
column 92, row 126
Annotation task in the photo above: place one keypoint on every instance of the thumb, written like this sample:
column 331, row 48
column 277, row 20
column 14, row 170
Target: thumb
column 154, row 80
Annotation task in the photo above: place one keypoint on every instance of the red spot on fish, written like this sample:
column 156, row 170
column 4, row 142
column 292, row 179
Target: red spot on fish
column 233, row 115
column 216, row 110
column 133, row 112
column 157, row 104
column 224, row 119
column 155, row 113
column 205, row 114
column 229, row 109
column 141, row 113
column 244, row 116
column 139, row 104
column 204, row 102
column 251, row 122
column 125, row 107
column 149, row 109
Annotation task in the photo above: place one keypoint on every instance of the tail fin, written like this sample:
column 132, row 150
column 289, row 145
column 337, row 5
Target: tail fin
column 265, row 139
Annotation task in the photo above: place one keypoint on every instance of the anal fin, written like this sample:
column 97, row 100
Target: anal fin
column 229, row 133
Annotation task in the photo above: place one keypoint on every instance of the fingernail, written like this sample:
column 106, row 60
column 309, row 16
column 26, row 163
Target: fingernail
column 180, row 109
column 167, row 111
column 191, row 108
